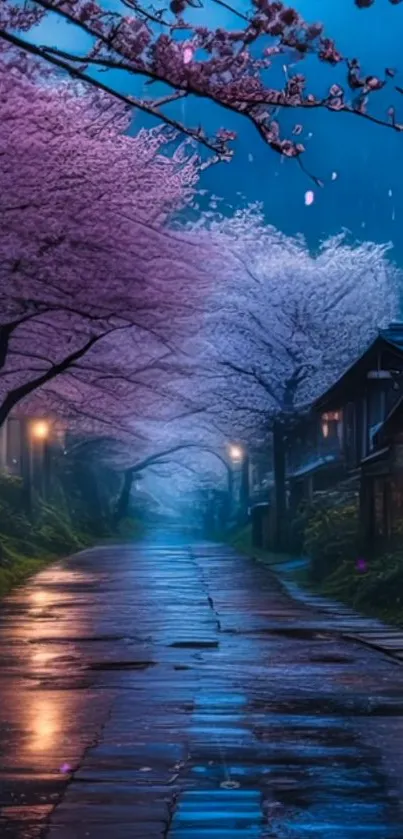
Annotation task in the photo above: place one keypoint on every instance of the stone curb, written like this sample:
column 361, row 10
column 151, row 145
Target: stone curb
column 379, row 636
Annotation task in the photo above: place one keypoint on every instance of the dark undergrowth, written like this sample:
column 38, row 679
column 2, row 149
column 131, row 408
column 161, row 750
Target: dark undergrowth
column 372, row 584
column 30, row 542
column 241, row 540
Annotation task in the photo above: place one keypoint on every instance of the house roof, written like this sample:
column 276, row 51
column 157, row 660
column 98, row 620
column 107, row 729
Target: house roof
column 313, row 465
column 391, row 337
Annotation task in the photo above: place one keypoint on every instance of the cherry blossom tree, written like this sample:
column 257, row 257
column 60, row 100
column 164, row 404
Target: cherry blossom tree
column 131, row 457
column 235, row 68
column 282, row 328
column 88, row 266
column 280, row 323
column 288, row 321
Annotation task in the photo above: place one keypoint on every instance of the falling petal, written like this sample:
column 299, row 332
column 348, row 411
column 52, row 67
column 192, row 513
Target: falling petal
column 187, row 55
column 334, row 176
column 393, row 214
column 390, row 193
column 363, row 224
column 65, row 768
column 361, row 565
column 250, row 157
column 309, row 198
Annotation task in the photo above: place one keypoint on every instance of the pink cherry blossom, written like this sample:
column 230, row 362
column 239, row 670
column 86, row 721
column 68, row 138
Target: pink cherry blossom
column 187, row 55
column 309, row 198
column 88, row 263
column 235, row 69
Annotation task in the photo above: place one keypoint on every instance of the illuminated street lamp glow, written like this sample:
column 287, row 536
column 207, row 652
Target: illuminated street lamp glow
column 236, row 452
column 40, row 430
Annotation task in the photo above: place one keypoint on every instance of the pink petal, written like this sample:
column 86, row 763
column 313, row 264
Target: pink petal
column 309, row 198
column 187, row 55
column 65, row 768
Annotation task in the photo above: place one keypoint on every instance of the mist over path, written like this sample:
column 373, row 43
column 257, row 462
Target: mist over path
column 168, row 690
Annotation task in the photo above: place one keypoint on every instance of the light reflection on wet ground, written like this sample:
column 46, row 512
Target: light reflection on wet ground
column 176, row 693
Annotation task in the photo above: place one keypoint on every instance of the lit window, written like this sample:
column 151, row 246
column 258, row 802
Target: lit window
column 332, row 416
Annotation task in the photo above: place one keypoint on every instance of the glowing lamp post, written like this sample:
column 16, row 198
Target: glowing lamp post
column 240, row 460
column 40, row 430
column 236, row 453
column 35, row 457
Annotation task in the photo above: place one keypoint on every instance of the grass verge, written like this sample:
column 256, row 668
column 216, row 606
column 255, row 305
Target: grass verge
column 375, row 590
column 19, row 568
column 242, row 542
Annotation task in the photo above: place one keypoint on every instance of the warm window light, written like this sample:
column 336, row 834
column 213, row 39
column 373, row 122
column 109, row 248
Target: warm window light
column 332, row 416
column 40, row 430
column 236, row 452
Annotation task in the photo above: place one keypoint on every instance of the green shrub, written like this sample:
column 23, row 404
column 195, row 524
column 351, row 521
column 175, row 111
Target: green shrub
column 241, row 539
column 331, row 538
column 11, row 491
column 13, row 520
column 298, row 525
column 54, row 532
column 382, row 585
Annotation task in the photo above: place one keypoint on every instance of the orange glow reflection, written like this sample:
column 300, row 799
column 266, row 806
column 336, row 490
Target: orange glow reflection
column 42, row 656
column 44, row 724
column 40, row 597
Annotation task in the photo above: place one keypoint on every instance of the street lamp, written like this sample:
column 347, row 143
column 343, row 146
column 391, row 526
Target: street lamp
column 240, row 473
column 40, row 430
column 235, row 453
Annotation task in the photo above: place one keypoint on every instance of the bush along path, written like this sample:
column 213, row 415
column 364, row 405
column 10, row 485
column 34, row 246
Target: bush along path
column 360, row 594
column 27, row 543
column 53, row 529
column 370, row 581
column 327, row 531
column 346, row 620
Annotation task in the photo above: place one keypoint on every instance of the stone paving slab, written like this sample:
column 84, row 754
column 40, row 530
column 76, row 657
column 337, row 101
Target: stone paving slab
column 179, row 693
column 353, row 625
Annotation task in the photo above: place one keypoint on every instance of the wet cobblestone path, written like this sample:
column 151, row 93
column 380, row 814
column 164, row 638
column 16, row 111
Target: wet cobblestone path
column 178, row 693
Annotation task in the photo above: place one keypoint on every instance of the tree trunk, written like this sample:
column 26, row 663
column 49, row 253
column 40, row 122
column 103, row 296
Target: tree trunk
column 230, row 494
column 280, row 487
column 122, row 504
column 47, row 471
column 26, row 464
column 245, row 490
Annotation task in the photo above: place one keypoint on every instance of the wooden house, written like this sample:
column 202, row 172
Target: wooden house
column 355, row 431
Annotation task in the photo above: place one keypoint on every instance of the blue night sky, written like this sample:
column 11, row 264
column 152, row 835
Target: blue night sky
column 367, row 158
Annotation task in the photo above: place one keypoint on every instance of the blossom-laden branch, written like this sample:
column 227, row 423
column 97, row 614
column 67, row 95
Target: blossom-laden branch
column 365, row 4
column 283, row 324
column 232, row 68
column 93, row 279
